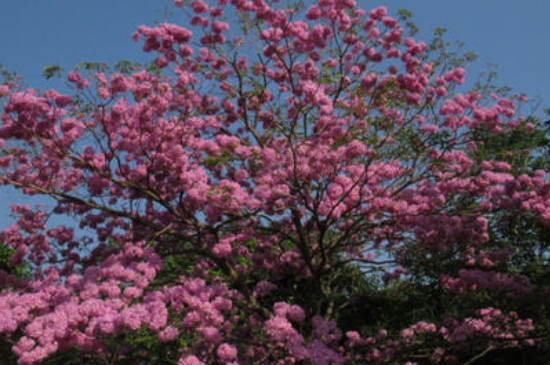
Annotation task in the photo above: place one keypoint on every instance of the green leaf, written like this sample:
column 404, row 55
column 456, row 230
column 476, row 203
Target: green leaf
column 51, row 71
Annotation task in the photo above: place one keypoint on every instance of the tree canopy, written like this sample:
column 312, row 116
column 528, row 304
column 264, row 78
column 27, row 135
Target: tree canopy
column 286, row 183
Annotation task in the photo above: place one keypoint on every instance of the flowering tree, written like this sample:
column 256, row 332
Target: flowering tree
column 234, row 199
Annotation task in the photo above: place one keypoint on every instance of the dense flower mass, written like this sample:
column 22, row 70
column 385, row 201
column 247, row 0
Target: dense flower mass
column 220, row 195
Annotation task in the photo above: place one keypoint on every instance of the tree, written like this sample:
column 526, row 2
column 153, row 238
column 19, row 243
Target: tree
column 242, row 199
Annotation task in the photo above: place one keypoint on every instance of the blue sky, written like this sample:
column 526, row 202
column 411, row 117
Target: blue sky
column 509, row 33
column 34, row 34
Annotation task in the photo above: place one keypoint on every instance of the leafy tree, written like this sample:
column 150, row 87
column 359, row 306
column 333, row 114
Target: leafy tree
column 284, row 184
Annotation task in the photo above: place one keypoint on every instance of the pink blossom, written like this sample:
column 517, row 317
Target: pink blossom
column 226, row 352
column 168, row 334
column 199, row 6
column 190, row 360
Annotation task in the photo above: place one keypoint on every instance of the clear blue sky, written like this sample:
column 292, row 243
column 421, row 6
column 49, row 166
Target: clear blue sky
column 510, row 33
